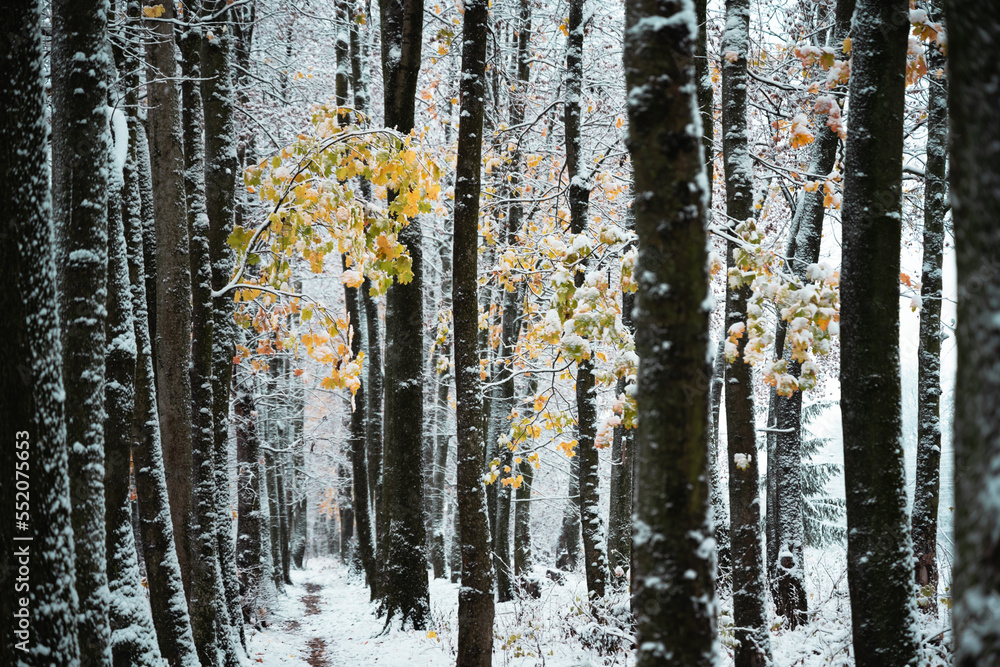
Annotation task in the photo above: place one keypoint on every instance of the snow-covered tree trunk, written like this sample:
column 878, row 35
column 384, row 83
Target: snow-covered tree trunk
column 444, row 372
column 163, row 573
column 249, row 557
column 274, row 521
column 753, row 644
column 32, row 411
column 404, row 578
column 973, row 83
column 359, row 463
column 927, row 490
column 879, row 550
column 173, row 278
column 221, row 168
column 133, row 639
column 206, row 599
column 522, row 507
column 373, row 422
column 803, row 250
column 592, row 526
column 675, row 615
column 80, row 173
column 475, row 598
column 720, row 513
column 622, row 469
column 568, row 545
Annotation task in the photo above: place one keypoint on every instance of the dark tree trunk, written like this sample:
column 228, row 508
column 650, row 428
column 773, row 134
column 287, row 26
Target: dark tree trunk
column 32, row 410
column 373, row 426
column 404, row 586
column 359, row 463
column 221, row 168
column 80, row 167
column 283, row 567
column 173, row 284
column 592, row 527
column 274, row 519
column 249, row 557
column 475, row 598
column 163, row 573
column 749, row 614
column 879, row 550
column 975, row 195
column 927, row 491
column 675, row 617
column 204, row 584
column 568, row 546
column 133, row 640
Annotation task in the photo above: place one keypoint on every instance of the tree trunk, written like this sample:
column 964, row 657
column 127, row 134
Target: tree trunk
column 475, row 598
column 173, row 284
column 879, row 550
column 32, row 412
column 749, row 614
column 163, row 573
column 441, row 411
column 720, row 515
column 274, row 519
column 975, row 153
column 788, row 574
column 204, row 585
column 359, row 463
column 568, row 546
column 927, row 491
column 675, row 618
column 404, row 587
column 80, row 166
column 595, row 558
column 133, row 640
column 221, row 168
column 249, row 558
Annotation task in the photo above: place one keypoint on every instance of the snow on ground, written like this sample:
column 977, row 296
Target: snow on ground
column 325, row 618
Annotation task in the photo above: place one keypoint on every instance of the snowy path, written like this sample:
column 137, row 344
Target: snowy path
column 326, row 620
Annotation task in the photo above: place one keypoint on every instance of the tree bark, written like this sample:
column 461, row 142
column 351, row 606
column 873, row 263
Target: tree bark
column 32, row 414
column 80, row 166
column 592, row 527
column 221, row 167
column 675, row 617
column 205, row 586
column 133, row 640
column 441, row 411
column 249, row 557
column 975, row 197
column 163, row 573
column 927, row 490
column 173, row 280
column 475, row 598
column 879, row 550
column 404, row 588
column 749, row 614
column 359, row 463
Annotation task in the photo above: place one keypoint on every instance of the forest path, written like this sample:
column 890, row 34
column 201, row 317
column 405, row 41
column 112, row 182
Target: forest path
column 326, row 620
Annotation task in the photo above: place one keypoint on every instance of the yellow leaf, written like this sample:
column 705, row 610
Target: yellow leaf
column 153, row 12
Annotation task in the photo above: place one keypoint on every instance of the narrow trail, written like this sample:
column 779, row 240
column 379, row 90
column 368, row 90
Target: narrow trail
column 325, row 619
